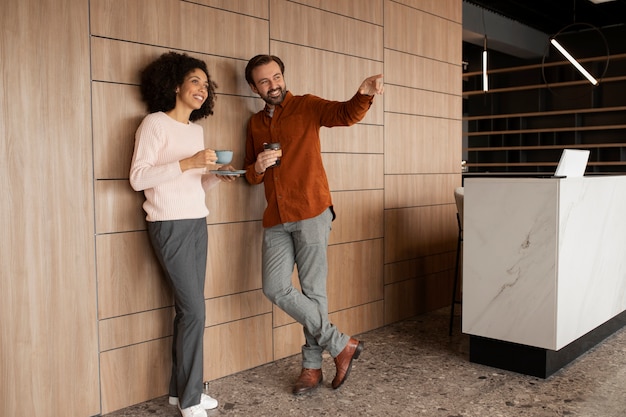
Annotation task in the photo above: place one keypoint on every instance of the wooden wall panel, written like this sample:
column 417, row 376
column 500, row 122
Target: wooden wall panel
column 302, row 25
column 179, row 25
column 353, row 171
column 416, row 296
column 258, row 8
column 420, row 33
column 235, row 201
column 359, row 138
column 421, row 102
column 353, row 210
column 416, row 144
column 134, row 374
column 48, row 329
column 357, row 274
column 135, row 328
column 234, row 307
column 369, row 11
column 422, row 151
column 419, row 267
column 422, row 73
column 419, row 231
column 448, row 9
column 129, row 277
column 117, row 112
column 118, row 207
column 420, row 190
column 234, row 263
column 138, row 372
column 228, row 347
column 288, row 340
column 358, row 319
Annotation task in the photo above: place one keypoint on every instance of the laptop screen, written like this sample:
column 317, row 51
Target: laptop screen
column 573, row 163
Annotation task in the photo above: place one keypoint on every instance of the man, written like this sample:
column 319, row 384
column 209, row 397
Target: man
column 299, row 212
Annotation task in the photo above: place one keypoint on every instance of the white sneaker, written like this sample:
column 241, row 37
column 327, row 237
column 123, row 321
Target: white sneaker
column 193, row 411
column 206, row 402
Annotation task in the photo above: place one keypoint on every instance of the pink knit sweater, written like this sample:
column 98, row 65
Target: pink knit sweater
column 160, row 143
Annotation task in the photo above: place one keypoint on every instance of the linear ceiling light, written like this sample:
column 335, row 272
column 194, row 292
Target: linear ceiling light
column 575, row 63
column 485, row 79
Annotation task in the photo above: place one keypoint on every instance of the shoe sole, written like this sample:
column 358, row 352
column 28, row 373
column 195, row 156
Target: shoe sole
column 174, row 402
column 357, row 353
column 310, row 389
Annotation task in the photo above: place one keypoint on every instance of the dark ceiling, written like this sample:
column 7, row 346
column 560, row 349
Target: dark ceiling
column 550, row 16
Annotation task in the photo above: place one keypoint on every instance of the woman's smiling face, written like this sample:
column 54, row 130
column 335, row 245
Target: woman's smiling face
column 193, row 92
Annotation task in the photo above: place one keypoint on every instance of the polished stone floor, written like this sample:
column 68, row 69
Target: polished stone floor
column 413, row 368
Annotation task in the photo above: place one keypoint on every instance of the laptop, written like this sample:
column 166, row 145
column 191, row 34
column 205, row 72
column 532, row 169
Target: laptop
column 572, row 164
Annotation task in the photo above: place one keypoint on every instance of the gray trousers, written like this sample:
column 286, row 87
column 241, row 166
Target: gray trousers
column 181, row 247
column 303, row 243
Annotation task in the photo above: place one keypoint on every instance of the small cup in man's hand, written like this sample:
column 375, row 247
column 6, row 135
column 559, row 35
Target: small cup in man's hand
column 275, row 147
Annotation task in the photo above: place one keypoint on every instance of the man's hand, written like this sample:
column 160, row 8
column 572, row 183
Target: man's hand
column 372, row 85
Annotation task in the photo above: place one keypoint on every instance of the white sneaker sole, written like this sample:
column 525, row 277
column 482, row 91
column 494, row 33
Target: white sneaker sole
column 207, row 402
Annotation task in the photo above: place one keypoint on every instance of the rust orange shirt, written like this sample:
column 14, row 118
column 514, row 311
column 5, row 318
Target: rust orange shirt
column 298, row 188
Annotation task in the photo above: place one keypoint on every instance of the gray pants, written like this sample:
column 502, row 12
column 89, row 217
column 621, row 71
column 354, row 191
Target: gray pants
column 181, row 247
column 303, row 243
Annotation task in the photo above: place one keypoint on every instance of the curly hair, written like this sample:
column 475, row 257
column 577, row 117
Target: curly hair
column 259, row 60
column 162, row 76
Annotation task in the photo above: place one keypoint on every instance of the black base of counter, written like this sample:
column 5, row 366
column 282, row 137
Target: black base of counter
column 534, row 361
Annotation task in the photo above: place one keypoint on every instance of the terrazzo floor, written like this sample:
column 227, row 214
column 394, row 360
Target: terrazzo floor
column 413, row 368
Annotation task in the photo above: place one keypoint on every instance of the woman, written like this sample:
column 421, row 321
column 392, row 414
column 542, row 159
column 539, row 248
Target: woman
column 170, row 166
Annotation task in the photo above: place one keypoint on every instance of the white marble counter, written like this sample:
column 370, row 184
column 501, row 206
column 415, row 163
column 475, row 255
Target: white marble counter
column 544, row 259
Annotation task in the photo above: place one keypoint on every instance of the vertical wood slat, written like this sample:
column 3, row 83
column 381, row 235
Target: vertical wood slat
column 47, row 284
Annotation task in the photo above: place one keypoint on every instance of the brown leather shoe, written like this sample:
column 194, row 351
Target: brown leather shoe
column 343, row 361
column 308, row 380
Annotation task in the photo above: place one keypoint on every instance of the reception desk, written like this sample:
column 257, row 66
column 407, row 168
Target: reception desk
column 544, row 269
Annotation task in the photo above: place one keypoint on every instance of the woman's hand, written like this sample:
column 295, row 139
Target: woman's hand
column 202, row 159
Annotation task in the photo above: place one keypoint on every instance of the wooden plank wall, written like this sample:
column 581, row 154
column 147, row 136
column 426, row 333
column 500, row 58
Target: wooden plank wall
column 392, row 176
column 48, row 327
